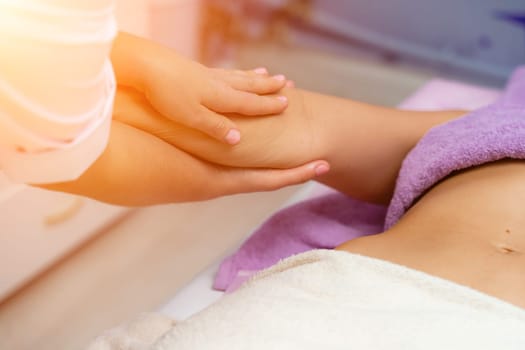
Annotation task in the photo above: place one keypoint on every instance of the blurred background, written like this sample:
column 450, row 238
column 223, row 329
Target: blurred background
column 72, row 267
column 317, row 42
column 477, row 41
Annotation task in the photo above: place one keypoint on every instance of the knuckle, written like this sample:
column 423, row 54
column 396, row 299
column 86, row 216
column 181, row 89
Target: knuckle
column 268, row 85
column 236, row 102
column 219, row 127
column 252, row 83
column 266, row 106
column 195, row 120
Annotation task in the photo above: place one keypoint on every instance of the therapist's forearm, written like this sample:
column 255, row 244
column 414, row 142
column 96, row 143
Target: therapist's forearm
column 139, row 169
column 134, row 169
column 127, row 60
column 135, row 60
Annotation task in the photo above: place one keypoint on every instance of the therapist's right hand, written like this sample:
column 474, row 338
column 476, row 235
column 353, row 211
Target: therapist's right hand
column 192, row 94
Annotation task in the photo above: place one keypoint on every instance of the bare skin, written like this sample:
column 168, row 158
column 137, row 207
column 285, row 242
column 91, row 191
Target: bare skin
column 191, row 94
column 469, row 229
column 364, row 144
column 139, row 169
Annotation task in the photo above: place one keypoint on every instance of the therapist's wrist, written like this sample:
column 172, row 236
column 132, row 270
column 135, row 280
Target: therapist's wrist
column 132, row 58
column 145, row 65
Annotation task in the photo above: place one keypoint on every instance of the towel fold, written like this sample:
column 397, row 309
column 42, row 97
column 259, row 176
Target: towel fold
column 485, row 135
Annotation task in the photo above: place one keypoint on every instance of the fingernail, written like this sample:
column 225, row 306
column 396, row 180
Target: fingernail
column 282, row 98
column 261, row 70
column 290, row 84
column 279, row 77
column 321, row 169
column 233, row 136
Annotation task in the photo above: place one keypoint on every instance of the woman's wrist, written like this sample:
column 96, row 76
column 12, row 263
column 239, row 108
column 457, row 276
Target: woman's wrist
column 365, row 144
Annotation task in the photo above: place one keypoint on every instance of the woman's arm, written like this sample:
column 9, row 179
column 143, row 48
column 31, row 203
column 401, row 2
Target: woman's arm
column 364, row 144
column 367, row 144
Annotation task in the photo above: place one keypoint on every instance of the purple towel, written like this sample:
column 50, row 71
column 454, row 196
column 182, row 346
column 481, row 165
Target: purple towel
column 485, row 135
column 322, row 222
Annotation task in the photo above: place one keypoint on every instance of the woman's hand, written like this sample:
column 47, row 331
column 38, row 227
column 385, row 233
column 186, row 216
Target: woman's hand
column 192, row 94
column 139, row 169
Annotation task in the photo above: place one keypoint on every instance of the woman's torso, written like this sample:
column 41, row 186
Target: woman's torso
column 470, row 229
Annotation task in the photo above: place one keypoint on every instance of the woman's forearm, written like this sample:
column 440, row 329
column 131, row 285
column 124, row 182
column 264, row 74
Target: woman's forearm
column 366, row 144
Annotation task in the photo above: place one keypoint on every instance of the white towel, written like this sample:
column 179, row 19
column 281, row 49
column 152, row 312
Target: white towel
column 138, row 334
column 335, row 300
column 326, row 299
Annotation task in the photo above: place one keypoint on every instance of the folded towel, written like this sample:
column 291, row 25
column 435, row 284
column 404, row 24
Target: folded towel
column 485, row 135
column 326, row 299
column 515, row 91
column 322, row 222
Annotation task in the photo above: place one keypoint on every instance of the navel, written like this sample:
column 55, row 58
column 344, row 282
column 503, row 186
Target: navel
column 505, row 250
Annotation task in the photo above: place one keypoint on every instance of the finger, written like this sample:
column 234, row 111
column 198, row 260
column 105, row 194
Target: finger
column 254, row 180
column 290, row 84
column 228, row 100
column 258, row 84
column 213, row 124
column 261, row 71
column 251, row 81
column 133, row 108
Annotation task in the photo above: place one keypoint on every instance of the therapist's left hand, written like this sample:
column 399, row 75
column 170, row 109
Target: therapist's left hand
column 192, row 94
column 138, row 169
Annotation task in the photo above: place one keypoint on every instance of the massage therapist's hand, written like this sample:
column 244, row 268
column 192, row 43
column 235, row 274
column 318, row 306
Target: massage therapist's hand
column 139, row 169
column 288, row 140
column 191, row 94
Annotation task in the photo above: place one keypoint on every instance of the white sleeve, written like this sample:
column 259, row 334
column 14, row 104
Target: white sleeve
column 56, row 87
